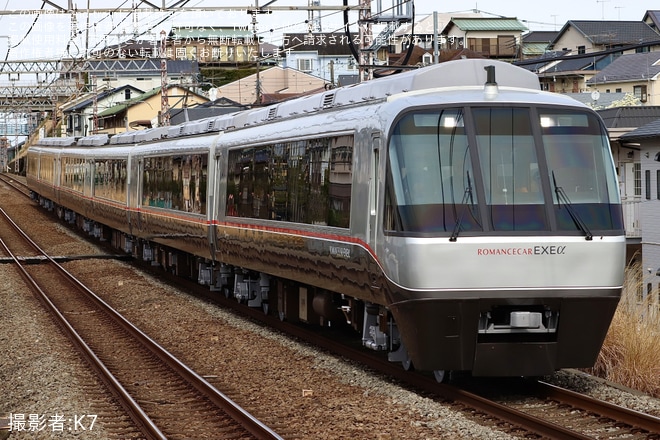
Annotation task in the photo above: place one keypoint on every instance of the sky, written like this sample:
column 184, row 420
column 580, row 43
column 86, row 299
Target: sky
column 35, row 35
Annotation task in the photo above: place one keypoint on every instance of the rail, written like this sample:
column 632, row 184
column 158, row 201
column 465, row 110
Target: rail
column 124, row 393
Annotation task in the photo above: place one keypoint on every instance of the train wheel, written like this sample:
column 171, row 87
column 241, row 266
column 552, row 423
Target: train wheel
column 439, row 375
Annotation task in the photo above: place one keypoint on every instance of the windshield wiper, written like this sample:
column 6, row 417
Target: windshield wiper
column 466, row 195
column 562, row 197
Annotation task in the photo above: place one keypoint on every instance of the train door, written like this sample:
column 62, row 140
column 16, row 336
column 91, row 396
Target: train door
column 57, row 168
column 130, row 198
column 211, row 185
column 374, row 184
column 139, row 176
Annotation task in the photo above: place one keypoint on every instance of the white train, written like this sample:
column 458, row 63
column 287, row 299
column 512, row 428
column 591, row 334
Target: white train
column 456, row 215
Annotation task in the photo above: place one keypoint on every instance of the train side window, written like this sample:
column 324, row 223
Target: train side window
column 110, row 179
column 305, row 181
column 176, row 182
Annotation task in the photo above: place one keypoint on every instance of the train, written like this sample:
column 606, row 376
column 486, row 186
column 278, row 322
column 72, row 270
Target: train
column 456, row 217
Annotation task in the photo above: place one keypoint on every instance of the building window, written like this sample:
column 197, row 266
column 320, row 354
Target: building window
column 637, row 171
column 640, row 93
column 618, row 90
column 581, row 49
column 305, row 64
column 647, row 184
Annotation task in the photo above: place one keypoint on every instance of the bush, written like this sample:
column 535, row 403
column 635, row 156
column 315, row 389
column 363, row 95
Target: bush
column 629, row 353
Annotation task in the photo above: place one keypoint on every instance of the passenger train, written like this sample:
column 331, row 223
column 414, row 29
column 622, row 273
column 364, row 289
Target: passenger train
column 456, row 216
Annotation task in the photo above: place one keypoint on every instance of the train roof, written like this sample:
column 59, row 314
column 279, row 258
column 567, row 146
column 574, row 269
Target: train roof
column 465, row 73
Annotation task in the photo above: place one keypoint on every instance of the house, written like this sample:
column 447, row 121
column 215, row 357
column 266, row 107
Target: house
column 583, row 48
column 647, row 139
column 217, row 107
column 560, row 72
column 493, row 37
column 275, row 84
column 537, row 43
column 588, row 36
column 652, row 18
column 422, row 32
column 635, row 73
column 79, row 114
column 323, row 55
column 628, row 158
column 144, row 110
column 144, row 74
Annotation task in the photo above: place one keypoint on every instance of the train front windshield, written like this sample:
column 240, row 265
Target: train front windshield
column 501, row 169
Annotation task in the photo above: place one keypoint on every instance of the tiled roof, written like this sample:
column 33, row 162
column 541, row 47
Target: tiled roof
column 138, row 99
column 604, row 100
column 626, row 117
column 630, row 67
column 540, row 37
column 560, row 63
column 650, row 130
column 614, row 33
column 570, row 64
column 489, row 24
column 535, row 64
column 87, row 102
column 534, row 48
column 654, row 17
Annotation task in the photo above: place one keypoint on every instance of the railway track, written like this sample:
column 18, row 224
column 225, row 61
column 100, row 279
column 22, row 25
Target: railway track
column 163, row 397
column 530, row 409
column 547, row 411
column 18, row 183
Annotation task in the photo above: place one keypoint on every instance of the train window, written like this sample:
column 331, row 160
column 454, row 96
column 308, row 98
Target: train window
column 430, row 182
column 580, row 169
column 176, row 182
column 47, row 168
column 510, row 167
column 305, row 181
column 110, row 179
column 73, row 173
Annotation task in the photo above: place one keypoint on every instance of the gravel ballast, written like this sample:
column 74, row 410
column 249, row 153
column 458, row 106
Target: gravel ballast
column 323, row 397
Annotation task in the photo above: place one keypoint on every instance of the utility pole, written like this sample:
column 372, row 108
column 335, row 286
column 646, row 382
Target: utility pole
column 366, row 38
column 95, row 106
column 254, row 12
column 164, row 100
